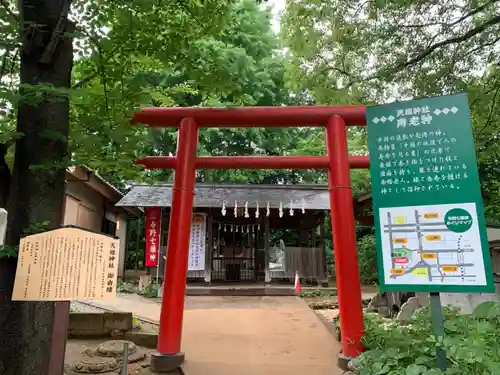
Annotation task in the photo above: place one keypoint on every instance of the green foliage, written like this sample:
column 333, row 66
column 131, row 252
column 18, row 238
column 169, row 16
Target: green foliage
column 367, row 259
column 367, row 255
column 150, row 291
column 124, row 287
column 135, row 244
column 470, row 343
column 317, row 293
column 136, row 324
column 222, row 54
column 355, row 51
column 35, row 227
column 8, row 251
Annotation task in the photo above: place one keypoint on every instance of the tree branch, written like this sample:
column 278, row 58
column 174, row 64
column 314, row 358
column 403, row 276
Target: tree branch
column 97, row 72
column 58, row 31
column 454, row 23
column 8, row 10
column 469, row 34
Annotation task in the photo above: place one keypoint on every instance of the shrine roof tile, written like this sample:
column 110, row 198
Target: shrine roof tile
column 313, row 197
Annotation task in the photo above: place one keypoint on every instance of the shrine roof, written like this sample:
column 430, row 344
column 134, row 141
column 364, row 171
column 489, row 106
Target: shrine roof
column 312, row 197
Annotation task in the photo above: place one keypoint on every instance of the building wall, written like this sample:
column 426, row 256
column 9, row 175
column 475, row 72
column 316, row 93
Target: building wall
column 86, row 208
column 83, row 206
column 121, row 232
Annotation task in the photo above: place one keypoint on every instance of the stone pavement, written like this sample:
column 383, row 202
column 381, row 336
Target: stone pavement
column 245, row 335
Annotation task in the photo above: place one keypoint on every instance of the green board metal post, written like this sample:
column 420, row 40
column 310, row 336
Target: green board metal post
column 428, row 208
column 438, row 329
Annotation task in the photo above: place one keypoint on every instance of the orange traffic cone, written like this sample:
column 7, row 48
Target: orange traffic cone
column 297, row 282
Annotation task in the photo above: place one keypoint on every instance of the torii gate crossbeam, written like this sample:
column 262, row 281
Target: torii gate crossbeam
column 337, row 162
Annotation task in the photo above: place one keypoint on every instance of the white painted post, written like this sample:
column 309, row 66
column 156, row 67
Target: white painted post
column 3, row 225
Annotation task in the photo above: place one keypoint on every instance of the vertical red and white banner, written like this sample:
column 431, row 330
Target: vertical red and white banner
column 153, row 224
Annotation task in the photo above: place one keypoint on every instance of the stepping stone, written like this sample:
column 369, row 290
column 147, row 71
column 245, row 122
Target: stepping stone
column 94, row 365
column 114, row 348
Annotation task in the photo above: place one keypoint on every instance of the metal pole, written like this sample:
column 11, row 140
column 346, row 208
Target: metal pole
column 438, row 328
column 172, row 308
column 344, row 239
column 125, row 359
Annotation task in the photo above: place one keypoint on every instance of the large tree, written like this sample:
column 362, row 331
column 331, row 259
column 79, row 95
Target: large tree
column 347, row 51
column 36, row 62
column 36, row 192
column 240, row 64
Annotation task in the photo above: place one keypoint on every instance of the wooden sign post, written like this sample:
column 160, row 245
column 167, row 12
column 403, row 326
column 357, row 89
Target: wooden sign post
column 66, row 264
column 63, row 265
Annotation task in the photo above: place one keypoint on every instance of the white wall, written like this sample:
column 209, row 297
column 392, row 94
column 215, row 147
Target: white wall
column 121, row 233
column 493, row 233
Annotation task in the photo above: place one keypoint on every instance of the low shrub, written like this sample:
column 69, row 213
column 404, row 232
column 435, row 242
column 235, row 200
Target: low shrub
column 151, row 291
column 470, row 342
column 317, row 293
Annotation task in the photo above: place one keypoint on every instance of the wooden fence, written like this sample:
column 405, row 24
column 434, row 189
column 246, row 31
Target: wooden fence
column 309, row 261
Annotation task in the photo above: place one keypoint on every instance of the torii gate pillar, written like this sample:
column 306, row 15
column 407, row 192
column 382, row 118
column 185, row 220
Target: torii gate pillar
column 338, row 163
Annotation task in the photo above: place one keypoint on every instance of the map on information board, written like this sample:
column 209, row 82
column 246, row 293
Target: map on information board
column 427, row 203
column 434, row 245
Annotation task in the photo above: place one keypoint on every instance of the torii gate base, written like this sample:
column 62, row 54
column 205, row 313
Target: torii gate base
column 338, row 163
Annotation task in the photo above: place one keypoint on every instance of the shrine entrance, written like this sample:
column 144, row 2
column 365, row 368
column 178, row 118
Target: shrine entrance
column 337, row 162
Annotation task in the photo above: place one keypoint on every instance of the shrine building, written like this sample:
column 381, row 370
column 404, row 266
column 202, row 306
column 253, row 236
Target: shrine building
column 245, row 233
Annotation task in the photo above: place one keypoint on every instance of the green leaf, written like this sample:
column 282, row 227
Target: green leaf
column 415, row 369
column 432, row 371
column 487, row 310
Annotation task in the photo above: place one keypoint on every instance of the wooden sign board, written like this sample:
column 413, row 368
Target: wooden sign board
column 66, row 264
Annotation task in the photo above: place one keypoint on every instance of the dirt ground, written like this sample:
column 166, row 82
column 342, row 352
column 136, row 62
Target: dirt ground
column 246, row 335
column 258, row 335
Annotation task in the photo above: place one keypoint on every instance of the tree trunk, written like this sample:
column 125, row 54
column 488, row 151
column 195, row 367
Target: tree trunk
column 36, row 194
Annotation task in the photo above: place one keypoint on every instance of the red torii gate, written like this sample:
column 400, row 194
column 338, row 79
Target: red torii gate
column 337, row 162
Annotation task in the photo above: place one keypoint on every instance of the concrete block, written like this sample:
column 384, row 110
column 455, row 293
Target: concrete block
column 423, row 299
column 408, row 309
column 468, row 302
column 98, row 324
column 118, row 321
column 147, row 340
column 144, row 281
column 86, row 325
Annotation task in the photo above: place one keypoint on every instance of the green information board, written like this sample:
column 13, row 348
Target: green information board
column 429, row 214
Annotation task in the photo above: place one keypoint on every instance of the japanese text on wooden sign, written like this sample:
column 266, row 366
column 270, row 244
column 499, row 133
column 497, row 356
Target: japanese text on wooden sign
column 66, row 264
column 197, row 242
column 153, row 224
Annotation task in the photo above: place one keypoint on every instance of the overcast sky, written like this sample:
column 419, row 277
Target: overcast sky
column 277, row 6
